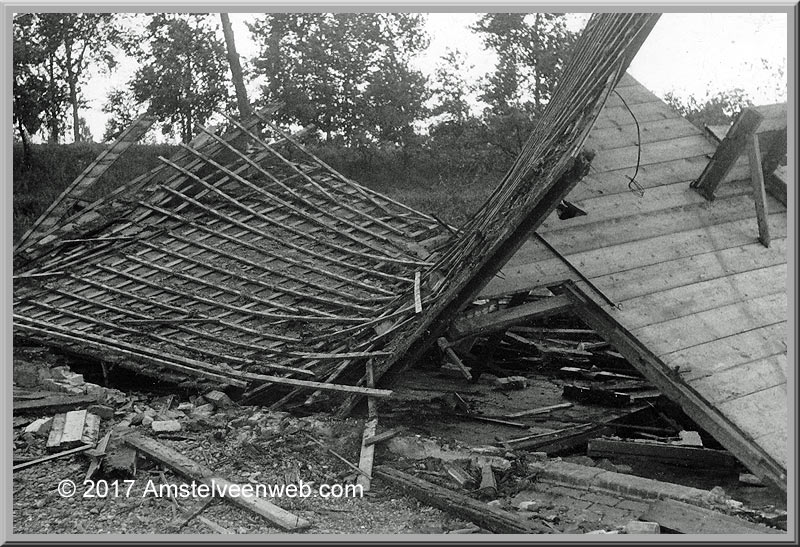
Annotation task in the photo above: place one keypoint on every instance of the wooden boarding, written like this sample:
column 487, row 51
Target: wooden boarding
column 56, row 403
column 192, row 470
column 673, row 454
column 702, row 305
column 501, row 320
column 692, row 519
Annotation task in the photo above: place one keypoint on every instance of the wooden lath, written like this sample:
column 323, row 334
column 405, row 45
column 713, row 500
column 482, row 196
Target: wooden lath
column 69, row 197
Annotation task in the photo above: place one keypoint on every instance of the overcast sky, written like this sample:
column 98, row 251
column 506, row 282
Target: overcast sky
column 687, row 53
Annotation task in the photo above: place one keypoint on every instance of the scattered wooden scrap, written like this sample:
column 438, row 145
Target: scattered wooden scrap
column 537, row 411
column 670, row 453
column 367, row 455
column 490, row 518
column 444, row 346
column 691, row 519
column 43, row 459
column 458, row 474
column 96, row 455
column 381, row 437
column 488, row 486
column 191, row 469
column 607, row 397
column 74, row 428
column 58, row 403
column 464, row 327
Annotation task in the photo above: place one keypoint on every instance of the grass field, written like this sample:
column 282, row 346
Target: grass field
column 422, row 182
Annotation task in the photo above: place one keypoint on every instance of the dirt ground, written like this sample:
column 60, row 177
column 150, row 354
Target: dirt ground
column 252, row 445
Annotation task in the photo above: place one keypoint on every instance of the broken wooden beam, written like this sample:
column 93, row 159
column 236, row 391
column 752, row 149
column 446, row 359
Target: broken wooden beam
column 49, row 457
column 488, row 486
column 691, row 519
column 759, row 190
column 367, row 455
column 675, row 454
column 537, row 411
column 729, row 150
column 381, row 437
column 51, row 405
column 74, row 428
column 459, row 505
column 500, row 320
column 192, row 470
column 444, row 346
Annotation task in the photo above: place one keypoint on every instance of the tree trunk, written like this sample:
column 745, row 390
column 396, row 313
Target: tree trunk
column 73, row 99
column 52, row 108
column 26, row 146
column 236, row 69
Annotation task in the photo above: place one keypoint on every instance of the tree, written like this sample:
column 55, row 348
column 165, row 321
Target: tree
column 450, row 88
column 236, row 68
column 73, row 42
column 532, row 50
column 182, row 72
column 347, row 73
column 123, row 108
column 714, row 109
column 30, row 87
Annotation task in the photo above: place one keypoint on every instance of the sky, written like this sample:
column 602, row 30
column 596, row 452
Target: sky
column 689, row 54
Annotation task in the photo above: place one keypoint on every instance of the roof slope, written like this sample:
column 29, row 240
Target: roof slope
column 689, row 277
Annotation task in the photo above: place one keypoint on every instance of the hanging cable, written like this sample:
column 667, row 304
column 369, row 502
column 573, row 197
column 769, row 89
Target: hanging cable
column 633, row 185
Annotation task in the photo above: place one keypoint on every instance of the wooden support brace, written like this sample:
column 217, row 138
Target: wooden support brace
column 367, row 455
column 444, row 345
column 759, row 190
column 501, row 320
column 729, row 150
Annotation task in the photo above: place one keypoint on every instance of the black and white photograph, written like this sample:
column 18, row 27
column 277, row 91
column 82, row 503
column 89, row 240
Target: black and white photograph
column 349, row 272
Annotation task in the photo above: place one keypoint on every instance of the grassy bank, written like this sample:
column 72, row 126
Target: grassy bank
column 447, row 187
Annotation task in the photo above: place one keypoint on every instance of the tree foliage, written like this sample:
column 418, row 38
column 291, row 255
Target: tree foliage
column 346, row 73
column 182, row 73
column 714, row 109
column 532, row 50
column 29, row 86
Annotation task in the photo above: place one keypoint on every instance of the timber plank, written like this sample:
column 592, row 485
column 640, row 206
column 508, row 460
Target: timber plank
column 534, row 266
column 638, row 253
column 692, row 519
column 687, row 270
column 702, row 296
column 706, row 359
column 743, row 379
column 625, row 205
column 485, row 516
column 57, row 403
column 649, row 225
column 675, row 454
column 653, row 152
column 633, row 94
column 527, row 277
column 618, row 115
column 195, row 471
column 502, row 319
column 775, row 443
column 609, row 138
column 759, row 413
column 710, row 325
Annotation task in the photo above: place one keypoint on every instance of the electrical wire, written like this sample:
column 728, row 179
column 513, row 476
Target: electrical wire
column 633, row 185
